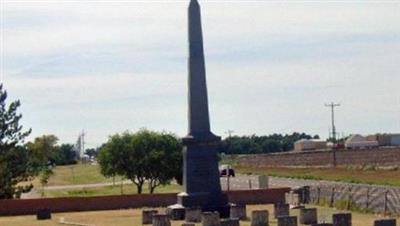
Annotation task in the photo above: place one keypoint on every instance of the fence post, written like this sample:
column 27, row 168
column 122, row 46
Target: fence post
column 318, row 195
column 332, row 197
column 386, row 203
column 367, row 202
column 349, row 198
column 250, row 184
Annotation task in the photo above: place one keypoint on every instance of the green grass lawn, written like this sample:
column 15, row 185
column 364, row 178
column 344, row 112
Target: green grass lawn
column 133, row 217
column 127, row 189
column 352, row 175
column 78, row 174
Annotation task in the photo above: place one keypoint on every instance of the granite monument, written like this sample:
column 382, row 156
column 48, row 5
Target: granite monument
column 201, row 181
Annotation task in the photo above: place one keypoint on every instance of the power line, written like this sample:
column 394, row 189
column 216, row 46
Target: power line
column 333, row 106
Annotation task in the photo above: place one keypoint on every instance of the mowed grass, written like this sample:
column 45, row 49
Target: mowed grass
column 352, row 175
column 78, row 174
column 133, row 217
column 127, row 189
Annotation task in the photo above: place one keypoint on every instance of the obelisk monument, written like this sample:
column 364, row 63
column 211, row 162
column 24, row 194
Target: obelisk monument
column 201, row 181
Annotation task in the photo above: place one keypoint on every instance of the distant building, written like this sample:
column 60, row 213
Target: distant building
column 357, row 141
column 385, row 139
column 309, row 145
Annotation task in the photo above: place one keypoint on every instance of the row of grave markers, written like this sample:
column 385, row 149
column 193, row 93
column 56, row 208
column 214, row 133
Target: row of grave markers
column 308, row 216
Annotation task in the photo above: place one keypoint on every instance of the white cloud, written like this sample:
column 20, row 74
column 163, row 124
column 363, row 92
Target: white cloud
column 271, row 65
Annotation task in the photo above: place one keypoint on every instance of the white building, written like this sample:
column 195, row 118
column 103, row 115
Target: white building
column 359, row 142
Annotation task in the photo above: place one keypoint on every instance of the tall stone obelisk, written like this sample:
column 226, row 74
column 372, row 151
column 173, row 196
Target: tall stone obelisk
column 201, row 181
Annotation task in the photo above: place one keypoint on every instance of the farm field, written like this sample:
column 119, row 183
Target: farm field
column 389, row 177
column 133, row 217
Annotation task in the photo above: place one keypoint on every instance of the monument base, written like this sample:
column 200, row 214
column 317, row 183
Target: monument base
column 205, row 201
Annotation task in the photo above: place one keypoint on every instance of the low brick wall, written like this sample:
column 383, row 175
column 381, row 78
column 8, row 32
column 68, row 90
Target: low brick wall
column 30, row 206
column 379, row 157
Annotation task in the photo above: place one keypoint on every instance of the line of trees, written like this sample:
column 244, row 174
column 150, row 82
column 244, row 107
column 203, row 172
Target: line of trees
column 262, row 144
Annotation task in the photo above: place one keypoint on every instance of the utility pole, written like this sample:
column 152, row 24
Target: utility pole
column 230, row 132
column 83, row 143
column 333, row 106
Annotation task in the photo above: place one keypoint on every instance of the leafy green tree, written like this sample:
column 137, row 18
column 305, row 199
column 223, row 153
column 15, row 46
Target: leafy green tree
column 14, row 157
column 91, row 152
column 65, row 155
column 43, row 150
column 145, row 156
column 45, row 175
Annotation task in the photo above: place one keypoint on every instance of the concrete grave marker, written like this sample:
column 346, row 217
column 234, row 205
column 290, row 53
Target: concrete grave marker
column 238, row 211
column 308, row 216
column 281, row 209
column 341, row 219
column 147, row 216
column 161, row 220
column 193, row 214
column 210, row 219
column 259, row 218
column 43, row 214
column 287, row 221
column 385, row 222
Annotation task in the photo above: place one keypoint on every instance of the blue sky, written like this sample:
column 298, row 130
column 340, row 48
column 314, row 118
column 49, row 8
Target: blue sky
column 107, row 67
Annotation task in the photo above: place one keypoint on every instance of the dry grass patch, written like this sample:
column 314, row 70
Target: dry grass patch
column 133, row 218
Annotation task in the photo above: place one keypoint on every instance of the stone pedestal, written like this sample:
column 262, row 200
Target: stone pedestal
column 230, row 222
column 308, row 216
column 161, row 220
column 259, row 218
column 287, row 221
column 193, row 215
column 210, row 219
column 385, row 222
column 176, row 212
column 238, row 211
column 43, row 214
column 281, row 209
column 341, row 219
column 147, row 216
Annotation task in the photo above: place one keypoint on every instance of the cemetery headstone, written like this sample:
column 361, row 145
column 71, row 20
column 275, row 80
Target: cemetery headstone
column 238, row 211
column 193, row 214
column 147, row 216
column 210, row 219
column 281, row 209
column 161, row 220
column 43, row 214
column 259, row 218
column 341, row 219
column 287, row 221
column 308, row 216
column 385, row 222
